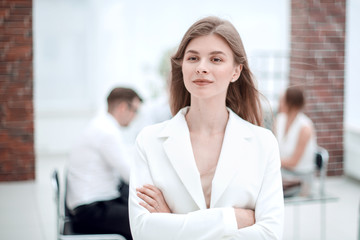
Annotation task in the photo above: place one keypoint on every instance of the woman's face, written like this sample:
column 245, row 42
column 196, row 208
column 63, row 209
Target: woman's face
column 208, row 67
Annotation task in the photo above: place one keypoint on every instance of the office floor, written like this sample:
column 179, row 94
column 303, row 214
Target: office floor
column 27, row 209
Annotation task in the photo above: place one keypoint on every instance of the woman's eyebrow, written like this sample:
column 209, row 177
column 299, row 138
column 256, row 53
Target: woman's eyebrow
column 217, row 52
column 192, row 51
column 211, row 53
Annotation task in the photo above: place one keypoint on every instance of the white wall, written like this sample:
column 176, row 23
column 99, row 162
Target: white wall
column 78, row 54
column 352, row 90
column 83, row 48
column 352, row 70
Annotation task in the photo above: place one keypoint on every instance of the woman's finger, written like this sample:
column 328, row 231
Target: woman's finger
column 150, row 204
column 152, row 188
column 148, row 207
column 153, row 192
column 147, row 191
column 153, row 198
column 150, row 201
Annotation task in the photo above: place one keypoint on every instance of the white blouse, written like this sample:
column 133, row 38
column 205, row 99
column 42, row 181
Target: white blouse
column 288, row 141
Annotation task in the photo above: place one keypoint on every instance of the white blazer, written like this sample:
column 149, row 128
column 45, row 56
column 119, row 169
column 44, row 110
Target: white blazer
column 247, row 176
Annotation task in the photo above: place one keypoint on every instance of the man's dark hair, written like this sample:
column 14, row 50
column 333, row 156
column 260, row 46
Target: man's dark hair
column 120, row 94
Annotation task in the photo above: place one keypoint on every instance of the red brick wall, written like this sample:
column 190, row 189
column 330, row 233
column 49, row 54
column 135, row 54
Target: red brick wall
column 17, row 161
column 317, row 63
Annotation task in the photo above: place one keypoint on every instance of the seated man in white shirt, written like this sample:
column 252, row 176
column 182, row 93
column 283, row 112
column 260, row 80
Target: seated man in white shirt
column 97, row 164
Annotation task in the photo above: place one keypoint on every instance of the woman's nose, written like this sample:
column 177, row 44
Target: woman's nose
column 201, row 68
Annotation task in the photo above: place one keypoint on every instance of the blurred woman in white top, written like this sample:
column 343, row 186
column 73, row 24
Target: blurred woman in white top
column 297, row 138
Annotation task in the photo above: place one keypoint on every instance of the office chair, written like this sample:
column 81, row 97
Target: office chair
column 63, row 221
column 294, row 188
column 321, row 162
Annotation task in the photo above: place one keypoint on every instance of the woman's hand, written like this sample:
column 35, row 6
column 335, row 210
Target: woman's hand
column 244, row 217
column 153, row 199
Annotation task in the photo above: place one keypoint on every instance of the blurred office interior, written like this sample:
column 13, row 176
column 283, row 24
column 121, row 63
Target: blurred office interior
column 74, row 52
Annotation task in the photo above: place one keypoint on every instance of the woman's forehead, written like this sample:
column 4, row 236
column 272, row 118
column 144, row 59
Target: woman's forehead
column 212, row 43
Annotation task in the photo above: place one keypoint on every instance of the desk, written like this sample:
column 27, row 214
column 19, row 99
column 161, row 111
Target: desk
column 314, row 198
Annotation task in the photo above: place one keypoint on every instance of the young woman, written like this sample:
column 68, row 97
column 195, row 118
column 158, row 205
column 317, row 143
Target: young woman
column 211, row 172
column 297, row 139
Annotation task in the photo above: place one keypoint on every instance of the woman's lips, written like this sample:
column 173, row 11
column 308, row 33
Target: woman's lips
column 202, row 82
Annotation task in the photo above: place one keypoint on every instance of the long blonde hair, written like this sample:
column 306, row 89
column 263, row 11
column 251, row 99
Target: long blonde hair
column 242, row 95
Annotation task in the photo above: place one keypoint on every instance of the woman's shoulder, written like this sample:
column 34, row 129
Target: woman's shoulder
column 259, row 132
column 153, row 130
column 263, row 133
column 305, row 120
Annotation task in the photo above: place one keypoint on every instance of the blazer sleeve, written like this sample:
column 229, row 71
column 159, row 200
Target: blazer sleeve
column 207, row 224
column 269, row 208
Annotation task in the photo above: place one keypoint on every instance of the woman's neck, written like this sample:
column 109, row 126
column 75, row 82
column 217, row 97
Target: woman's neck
column 207, row 117
column 291, row 115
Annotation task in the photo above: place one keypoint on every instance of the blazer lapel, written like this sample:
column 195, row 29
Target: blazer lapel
column 233, row 153
column 178, row 148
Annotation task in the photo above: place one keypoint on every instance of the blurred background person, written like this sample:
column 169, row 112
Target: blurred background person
column 297, row 140
column 99, row 168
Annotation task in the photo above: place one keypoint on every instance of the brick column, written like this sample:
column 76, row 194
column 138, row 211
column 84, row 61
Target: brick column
column 317, row 64
column 17, row 160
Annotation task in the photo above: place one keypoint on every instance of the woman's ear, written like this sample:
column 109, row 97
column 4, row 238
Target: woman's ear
column 237, row 72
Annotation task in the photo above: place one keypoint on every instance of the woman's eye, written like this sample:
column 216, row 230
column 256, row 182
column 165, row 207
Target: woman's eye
column 216, row 60
column 192, row 58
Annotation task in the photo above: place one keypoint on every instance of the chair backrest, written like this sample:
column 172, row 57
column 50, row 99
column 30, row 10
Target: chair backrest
column 63, row 221
column 66, row 209
column 359, row 223
column 321, row 161
column 322, row 158
column 56, row 188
